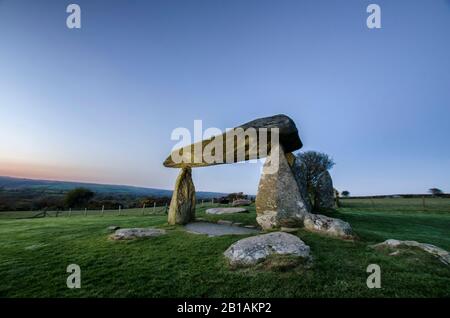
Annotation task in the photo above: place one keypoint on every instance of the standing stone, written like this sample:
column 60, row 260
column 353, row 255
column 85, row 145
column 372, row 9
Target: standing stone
column 336, row 198
column 279, row 201
column 182, row 205
column 298, row 168
column 324, row 198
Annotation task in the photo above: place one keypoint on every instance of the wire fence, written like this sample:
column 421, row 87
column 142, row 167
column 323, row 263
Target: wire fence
column 415, row 204
column 143, row 211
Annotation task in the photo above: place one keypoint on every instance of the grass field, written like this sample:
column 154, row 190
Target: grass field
column 34, row 254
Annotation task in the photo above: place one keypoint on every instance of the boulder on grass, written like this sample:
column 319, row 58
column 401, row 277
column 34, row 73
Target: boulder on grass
column 241, row 202
column 330, row 226
column 256, row 249
column 442, row 254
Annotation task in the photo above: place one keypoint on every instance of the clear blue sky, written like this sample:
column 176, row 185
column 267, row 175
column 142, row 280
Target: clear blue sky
column 99, row 104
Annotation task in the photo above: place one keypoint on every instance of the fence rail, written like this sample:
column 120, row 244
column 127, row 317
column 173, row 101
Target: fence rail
column 120, row 211
column 417, row 204
column 144, row 211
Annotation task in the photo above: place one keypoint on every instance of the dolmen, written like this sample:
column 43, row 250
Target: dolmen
column 282, row 199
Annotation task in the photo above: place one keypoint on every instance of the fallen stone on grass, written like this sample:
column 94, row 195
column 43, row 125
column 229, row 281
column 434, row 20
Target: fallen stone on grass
column 113, row 228
column 442, row 254
column 225, row 210
column 213, row 229
column 241, row 202
column 256, row 249
column 133, row 233
column 330, row 226
column 289, row 229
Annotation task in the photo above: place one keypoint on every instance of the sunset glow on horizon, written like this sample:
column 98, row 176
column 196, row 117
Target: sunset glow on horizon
column 99, row 104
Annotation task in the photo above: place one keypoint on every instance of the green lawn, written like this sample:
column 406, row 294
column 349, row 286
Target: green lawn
column 34, row 254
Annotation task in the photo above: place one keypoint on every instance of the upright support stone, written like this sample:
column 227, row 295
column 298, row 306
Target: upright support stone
column 324, row 198
column 299, row 170
column 182, row 205
column 279, row 201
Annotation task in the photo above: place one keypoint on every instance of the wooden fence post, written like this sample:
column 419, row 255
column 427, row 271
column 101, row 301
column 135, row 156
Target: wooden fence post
column 70, row 212
column 143, row 209
column 103, row 210
column 154, row 207
column 120, row 209
column 85, row 211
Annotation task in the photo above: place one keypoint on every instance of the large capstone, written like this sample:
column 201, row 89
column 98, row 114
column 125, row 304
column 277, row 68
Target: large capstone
column 182, row 205
column 324, row 196
column 279, row 201
column 205, row 152
column 255, row 249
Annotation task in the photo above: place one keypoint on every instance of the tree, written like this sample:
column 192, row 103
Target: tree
column 436, row 192
column 345, row 193
column 313, row 164
column 78, row 197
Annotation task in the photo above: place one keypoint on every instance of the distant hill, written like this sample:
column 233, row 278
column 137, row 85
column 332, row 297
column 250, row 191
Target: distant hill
column 57, row 187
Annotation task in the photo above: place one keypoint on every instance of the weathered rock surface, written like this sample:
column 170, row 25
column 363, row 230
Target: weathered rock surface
column 279, row 201
column 324, row 198
column 255, row 249
column 330, row 226
column 288, row 137
column 442, row 254
column 182, row 205
column 213, row 229
column 299, row 170
column 225, row 210
column 241, row 202
column 133, row 233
